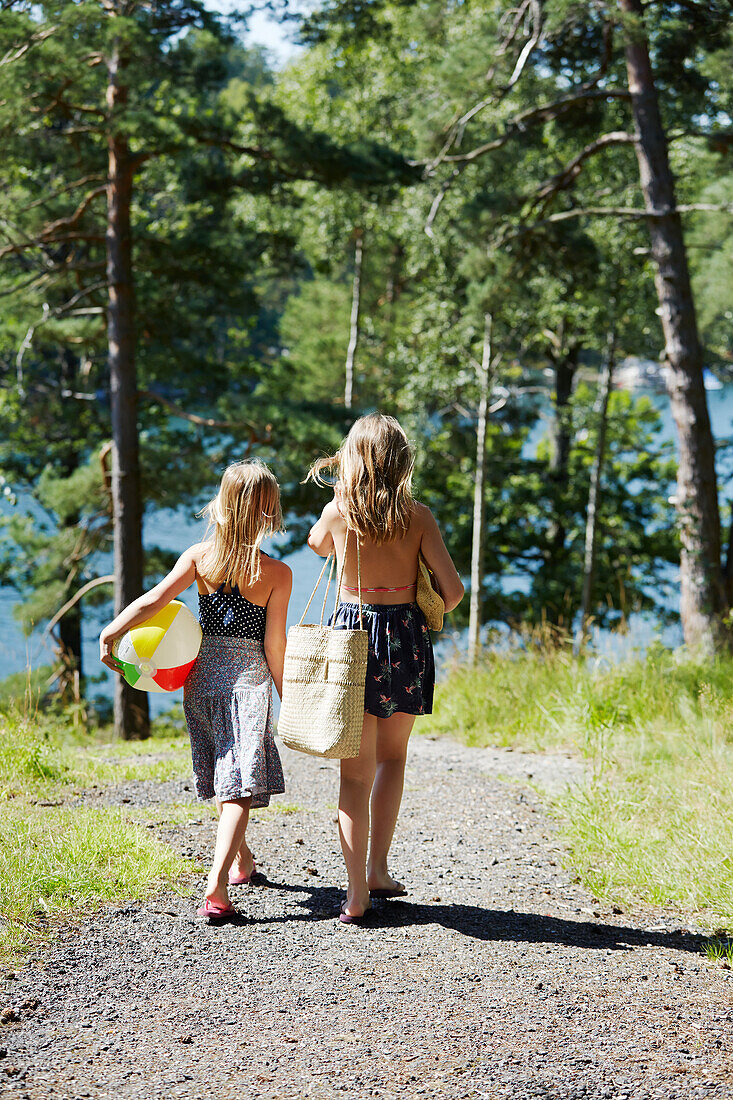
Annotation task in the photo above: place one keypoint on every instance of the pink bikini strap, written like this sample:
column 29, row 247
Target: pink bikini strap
column 400, row 588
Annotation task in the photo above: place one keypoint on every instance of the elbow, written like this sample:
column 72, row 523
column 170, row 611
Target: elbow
column 274, row 652
column 454, row 597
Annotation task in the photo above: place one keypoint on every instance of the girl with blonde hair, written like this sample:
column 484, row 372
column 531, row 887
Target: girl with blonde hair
column 373, row 501
column 243, row 602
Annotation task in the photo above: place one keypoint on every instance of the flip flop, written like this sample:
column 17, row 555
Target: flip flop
column 215, row 912
column 347, row 918
column 244, row 880
column 386, row 893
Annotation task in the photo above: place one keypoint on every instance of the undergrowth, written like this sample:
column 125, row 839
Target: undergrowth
column 59, row 857
column 654, row 818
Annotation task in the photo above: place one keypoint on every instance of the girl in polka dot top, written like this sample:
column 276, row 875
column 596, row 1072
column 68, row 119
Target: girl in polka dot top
column 243, row 603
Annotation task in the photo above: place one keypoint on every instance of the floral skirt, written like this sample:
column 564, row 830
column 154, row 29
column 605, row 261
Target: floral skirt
column 400, row 669
column 227, row 700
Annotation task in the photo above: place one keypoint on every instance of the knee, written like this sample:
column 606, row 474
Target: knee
column 357, row 781
column 394, row 761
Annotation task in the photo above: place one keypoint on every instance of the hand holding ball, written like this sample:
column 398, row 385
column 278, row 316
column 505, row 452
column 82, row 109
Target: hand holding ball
column 158, row 654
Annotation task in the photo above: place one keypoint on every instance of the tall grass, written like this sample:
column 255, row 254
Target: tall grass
column 654, row 818
column 59, row 857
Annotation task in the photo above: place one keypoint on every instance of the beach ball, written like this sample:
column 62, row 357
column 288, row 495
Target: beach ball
column 158, row 654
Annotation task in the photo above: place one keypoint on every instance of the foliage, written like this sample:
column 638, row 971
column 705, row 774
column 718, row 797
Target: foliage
column 653, row 819
column 250, row 190
column 58, row 857
column 207, row 139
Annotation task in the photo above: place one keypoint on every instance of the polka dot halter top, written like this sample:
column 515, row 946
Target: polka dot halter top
column 229, row 615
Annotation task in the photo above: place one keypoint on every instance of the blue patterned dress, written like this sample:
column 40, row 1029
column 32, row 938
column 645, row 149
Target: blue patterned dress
column 227, row 700
column 400, row 674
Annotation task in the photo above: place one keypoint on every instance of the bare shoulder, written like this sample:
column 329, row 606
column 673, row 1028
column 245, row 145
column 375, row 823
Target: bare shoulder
column 423, row 518
column 196, row 552
column 277, row 573
column 331, row 514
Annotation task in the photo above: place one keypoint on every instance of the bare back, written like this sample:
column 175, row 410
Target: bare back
column 388, row 565
column 257, row 593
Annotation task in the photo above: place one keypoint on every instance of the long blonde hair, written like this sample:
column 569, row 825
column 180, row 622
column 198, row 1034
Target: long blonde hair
column 374, row 467
column 243, row 512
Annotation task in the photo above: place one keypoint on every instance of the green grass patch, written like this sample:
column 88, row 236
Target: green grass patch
column 719, row 949
column 43, row 754
column 59, row 863
column 60, row 858
column 654, row 819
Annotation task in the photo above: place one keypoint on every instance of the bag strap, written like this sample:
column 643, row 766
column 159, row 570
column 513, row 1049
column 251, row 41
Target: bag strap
column 358, row 577
column 331, row 559
column 315, row 588
column 332, row 556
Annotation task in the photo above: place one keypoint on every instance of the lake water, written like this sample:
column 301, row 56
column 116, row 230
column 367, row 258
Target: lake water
column 176, row 530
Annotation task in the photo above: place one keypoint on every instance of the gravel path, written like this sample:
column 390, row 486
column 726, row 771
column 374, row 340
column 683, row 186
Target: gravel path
column 498, row 977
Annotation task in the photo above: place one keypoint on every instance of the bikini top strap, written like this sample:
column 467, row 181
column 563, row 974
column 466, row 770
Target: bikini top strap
column 233, row 589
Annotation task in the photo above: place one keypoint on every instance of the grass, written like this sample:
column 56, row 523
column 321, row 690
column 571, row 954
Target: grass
column 654, row 819
column 58, row 857
column 58, row 863
column 719, row 949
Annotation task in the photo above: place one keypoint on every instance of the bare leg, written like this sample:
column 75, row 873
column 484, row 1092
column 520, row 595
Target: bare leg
column 233, row 818
column 392, row 737
column 357, row 777
column 243, row 862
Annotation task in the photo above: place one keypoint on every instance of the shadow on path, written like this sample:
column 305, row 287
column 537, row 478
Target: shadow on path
column 322, row 903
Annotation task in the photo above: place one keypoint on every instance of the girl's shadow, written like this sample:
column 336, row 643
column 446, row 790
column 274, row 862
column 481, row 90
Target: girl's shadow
column 322, row 903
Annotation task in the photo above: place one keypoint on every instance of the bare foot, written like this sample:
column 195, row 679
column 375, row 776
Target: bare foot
column 242, row 869
column 385, row 881
column 218, row 897
column 356, row 905
column 216, row 891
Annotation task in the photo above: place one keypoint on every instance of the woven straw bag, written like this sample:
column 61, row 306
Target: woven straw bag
column 322, row 709
column 427, row 598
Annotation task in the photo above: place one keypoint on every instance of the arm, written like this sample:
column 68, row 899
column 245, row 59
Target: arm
column 150, row 603
column 320, row 538
column 277, row 611
column 434, row 551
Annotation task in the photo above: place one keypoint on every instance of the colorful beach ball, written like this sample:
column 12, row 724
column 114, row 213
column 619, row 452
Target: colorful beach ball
column 158, row 654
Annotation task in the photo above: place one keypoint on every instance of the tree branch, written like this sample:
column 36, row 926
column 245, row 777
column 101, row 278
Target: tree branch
column 571, row 171
column 208, row 421
column 42, row 242
column 34, row 40
column 107, row 579
column 70, row 222
column 615, row 212
column 528, row 47
column 723, row 138
column 436, row 203
column 61, row 191
column 549, row 111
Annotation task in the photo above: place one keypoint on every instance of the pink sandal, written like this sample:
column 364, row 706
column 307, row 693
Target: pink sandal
column 244, row 880
column 215, row 912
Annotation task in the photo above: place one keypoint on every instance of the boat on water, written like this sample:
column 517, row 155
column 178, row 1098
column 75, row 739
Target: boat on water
column 635, row 373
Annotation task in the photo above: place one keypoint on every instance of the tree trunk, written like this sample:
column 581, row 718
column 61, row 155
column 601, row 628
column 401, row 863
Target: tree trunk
column 354, row 322
column 479, row 503
column 70, row 640
column 591, row 521
column 130, row 706
column 703, row 601
column 70, row 625
column 565, row 365
column 728, row 568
